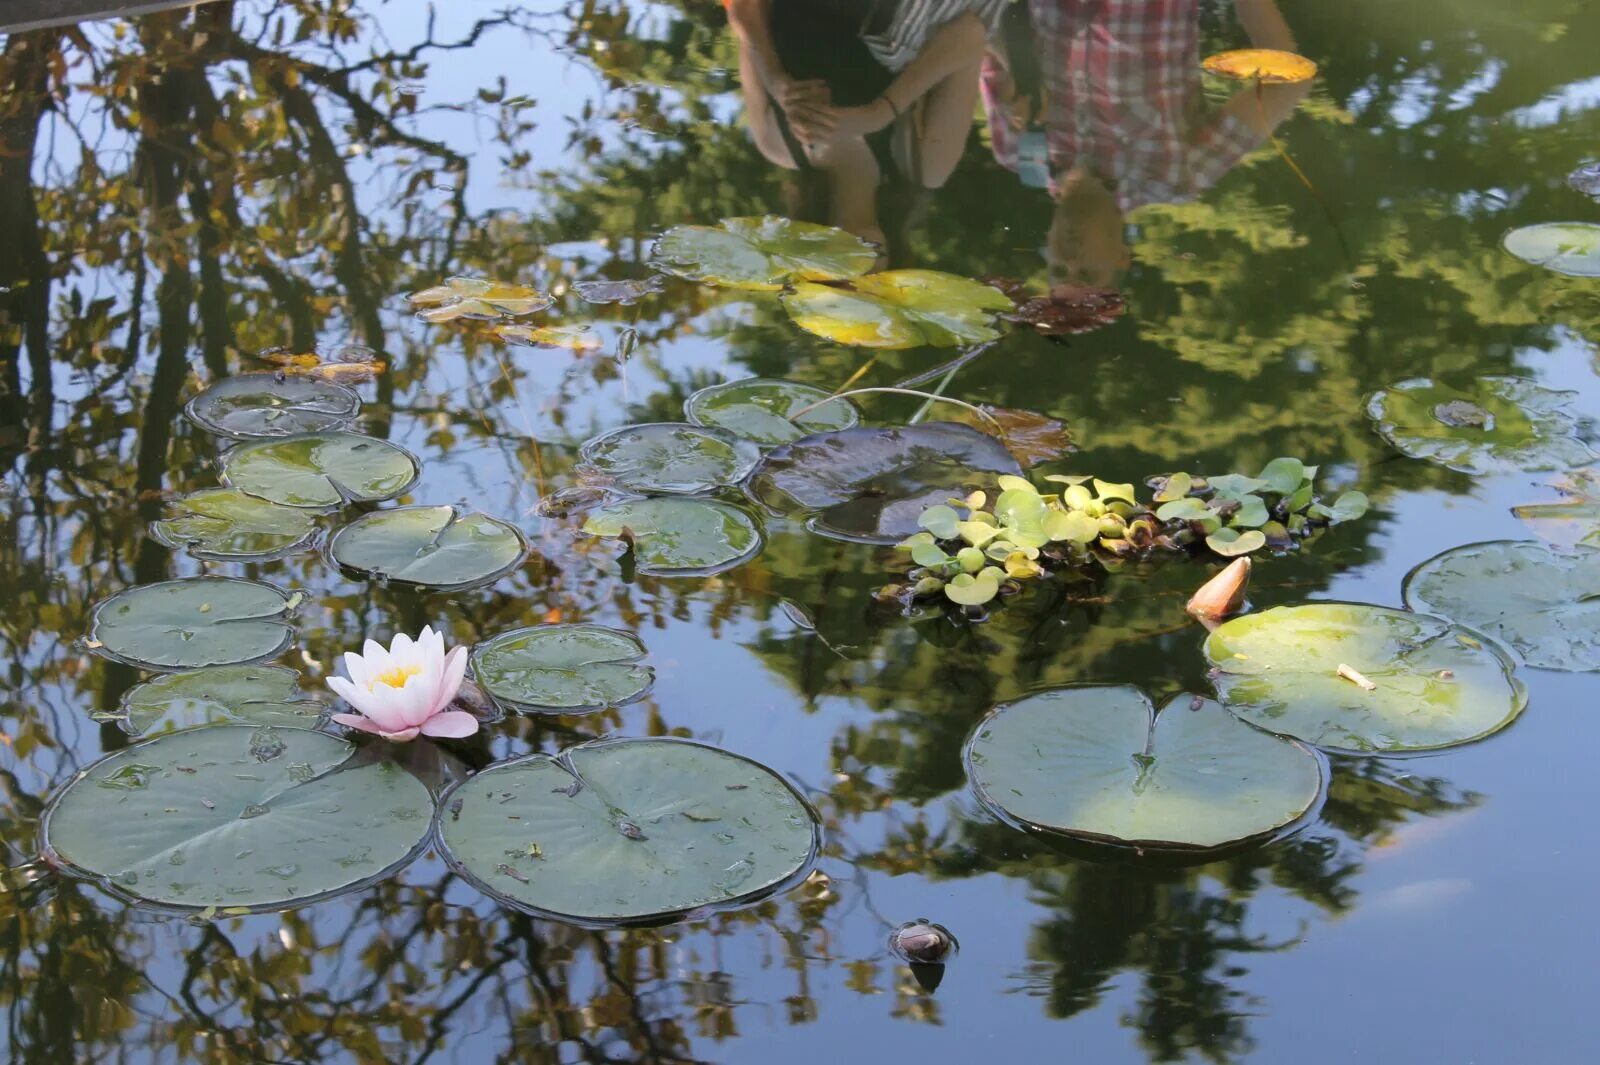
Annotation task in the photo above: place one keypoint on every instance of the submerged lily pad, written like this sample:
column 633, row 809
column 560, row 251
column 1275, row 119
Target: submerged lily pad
column 763, row 410
column 269, row 404
column 230, row 526
column 671, row 457
column 1540, row 602
column 1571, row 248
column 321, row 469
column 762, row 253
column 1586, row 179
column 899, row 309
column 1099, row 763
column 192, row 622
column 628, row 830
column 244, row 695
column 238, row 816
column 679, row 537
column 1503, row 424
column 626, row 291
column 872, row 485
column 435, row 547
column 570, row 669
column 1434, row 684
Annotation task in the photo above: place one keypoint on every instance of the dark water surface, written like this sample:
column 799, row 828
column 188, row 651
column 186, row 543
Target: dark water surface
column 179, row 191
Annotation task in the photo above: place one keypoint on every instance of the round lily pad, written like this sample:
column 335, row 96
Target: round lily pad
column 679, row 537
column 247, row 695
column 270, row 404
column 230, row 526
column 235, row 816
column 192, row 622
column 434, row 547
column 763, row 410
column 1571, row 248
column 628, row 831
column 321, row 469
column 872, row 485
column 671, row 457
column 762, row 253
column 899, row 309
column 1100, row 764
column 1305, row 670
column 1501, row 425
column 1543, row 603
column 570, row 669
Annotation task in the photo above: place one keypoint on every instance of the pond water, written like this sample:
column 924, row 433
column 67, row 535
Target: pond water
column 182, row 190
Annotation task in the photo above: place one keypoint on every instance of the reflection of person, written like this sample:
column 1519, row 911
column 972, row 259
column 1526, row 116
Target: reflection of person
column 1108, row 113
column 854, row 91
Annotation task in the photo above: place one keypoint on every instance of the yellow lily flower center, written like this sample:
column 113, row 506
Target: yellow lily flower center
column 394, row 678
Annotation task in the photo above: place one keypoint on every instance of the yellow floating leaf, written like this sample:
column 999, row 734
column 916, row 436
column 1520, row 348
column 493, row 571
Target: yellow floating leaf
column 580, row 338
column 1266, row 65
column 476, row 297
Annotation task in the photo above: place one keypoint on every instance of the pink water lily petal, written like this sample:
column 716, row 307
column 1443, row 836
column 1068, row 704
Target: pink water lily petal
column 452, row 724
column 414, row 702
column 405, row 735
column 357, row 668
column 383, row 712
column 356, row 721
column 454, row 672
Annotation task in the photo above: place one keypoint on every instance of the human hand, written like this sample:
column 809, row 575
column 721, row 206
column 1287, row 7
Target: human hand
column 815, row 123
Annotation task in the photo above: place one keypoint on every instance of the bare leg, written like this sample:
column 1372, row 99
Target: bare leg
column 943, row 115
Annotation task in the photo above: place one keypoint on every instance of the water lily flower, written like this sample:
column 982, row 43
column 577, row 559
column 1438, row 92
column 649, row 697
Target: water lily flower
column 402, row 690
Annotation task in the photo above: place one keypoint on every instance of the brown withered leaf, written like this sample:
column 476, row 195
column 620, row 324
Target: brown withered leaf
column 1030, row 436
column 349, row 363
column 1070, row 310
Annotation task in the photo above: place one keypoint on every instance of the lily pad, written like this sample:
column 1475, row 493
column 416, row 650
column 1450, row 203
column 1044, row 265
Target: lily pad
column 1100, row 763
column 1269, row 66
column 1504, row 424
column 227, row 525
column 321, row 469
column 628, row 831
column 763, row 410
column 1434, row 684
column 1542, row 603
column 671, row 457
column 580, row 337
column 238, row 816
column 899, row 309
column 245, row 695
column 567, row 669
column 679, row 537
column 435, row 547
column 1571, row 248
column 1573, row 521
column 477, row 298
column 762, row 253
column 269, row 404
column 192, row 622
column 626, row 291
column 872, row 485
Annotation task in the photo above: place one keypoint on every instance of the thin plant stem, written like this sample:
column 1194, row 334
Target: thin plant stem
column 930, row 396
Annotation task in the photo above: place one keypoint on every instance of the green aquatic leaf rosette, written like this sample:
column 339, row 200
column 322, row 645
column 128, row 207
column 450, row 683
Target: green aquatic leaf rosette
column 320, row 470
column 1571, row 248
column 679, row 537
column 1435, row 684
column 1502, row 425
column 562, row 669
column 1542, row 603
column 433, row 547
column 238, row 817
column 628, row 831
column 763, row 410
column 671, row 457
column 192, row 622
column 899, row 309
column 228, row 525
column 1098, row 763
column 269, row 404
column 245, row 695
column 762, row 253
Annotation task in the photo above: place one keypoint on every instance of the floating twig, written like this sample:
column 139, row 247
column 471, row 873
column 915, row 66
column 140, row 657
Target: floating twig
column 1355, row 677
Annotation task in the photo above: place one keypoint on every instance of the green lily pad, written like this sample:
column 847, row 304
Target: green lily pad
column 192, row 622
column 1540, row 602
column 761, row 409
column 230, row 526
column 270, row 404
column 1099, row 763
column 1502, row 425
column 899, row 309
column 627, row 831
column 762, row 253
column 321, row 469
column 1436, row 684
column 679, row 537
column 244, row 695
column 238, row 816
column 872, row 485
column 569, row 669
column 671, row 457
column 434, row 547
column 1230, row 543
column 1571, row 248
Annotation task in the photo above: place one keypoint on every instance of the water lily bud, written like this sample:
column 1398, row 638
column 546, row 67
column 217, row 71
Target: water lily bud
column 921, row 942
column 1223, row 594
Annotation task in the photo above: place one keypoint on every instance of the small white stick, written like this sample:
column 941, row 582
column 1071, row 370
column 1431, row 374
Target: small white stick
column 1354, row 677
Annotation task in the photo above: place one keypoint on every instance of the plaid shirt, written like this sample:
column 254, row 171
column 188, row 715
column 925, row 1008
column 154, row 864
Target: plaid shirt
column 1121, row 99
